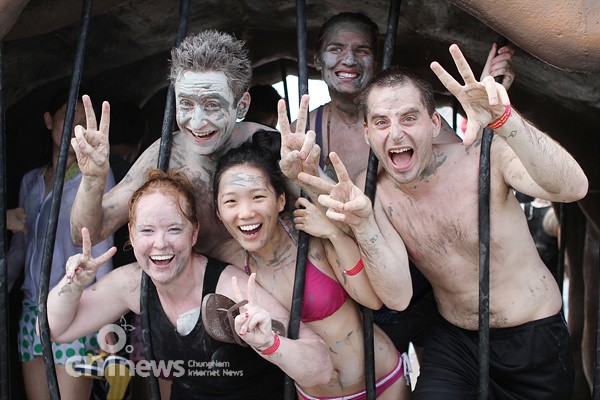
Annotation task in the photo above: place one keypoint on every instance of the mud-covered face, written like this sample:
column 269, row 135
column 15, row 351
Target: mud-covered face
column 400, row 131
column 206, row 109
column 248, row 206
column 162, row 237
column 346, row 60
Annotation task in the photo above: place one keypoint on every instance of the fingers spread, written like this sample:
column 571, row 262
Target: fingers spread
column 445, row 78
column 284, row 123
column 90, row 115
column 302, row 113
column 461, row 64
column 339, row 167
column 237, row 292
column 105, row 118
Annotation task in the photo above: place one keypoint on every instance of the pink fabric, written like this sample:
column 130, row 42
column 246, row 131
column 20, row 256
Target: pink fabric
column 323, row 296
column 380, row 386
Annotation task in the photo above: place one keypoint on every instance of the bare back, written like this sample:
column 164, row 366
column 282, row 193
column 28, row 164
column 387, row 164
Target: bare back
column 437, row 219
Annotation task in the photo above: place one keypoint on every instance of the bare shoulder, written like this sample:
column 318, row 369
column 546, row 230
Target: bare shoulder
column 129, row 278
column 225, row 285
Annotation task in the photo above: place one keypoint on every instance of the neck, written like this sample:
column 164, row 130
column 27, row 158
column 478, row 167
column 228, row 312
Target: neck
column 346, row 108
column 181, row 289
column 276, row 253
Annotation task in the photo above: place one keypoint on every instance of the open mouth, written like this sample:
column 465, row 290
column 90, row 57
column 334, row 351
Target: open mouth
column 346, row 75
column 162, row 260
column 203, row 135
column 401, row 158
column 250, row 230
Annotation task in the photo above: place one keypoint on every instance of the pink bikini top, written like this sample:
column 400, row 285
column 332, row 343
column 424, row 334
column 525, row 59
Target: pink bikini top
column 323, row 296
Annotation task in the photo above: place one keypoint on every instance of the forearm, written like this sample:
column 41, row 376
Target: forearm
column 386, row 265
column 346, row 259
column 546, row 161
column 87, row 209
column 306, row 361
column 63, row 301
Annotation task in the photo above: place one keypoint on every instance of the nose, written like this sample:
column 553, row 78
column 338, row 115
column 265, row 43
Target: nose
column 160, row 241
column 198, row 118
column 349, row 58
column 246, row 210
column 396, row 132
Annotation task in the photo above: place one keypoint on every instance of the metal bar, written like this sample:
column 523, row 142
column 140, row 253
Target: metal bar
column 56, row 200
column 484, row 255
column 289, row 391
column 596, row 389
column 285, row 88
column 163, row 164
column 4, row 312
column 455, row 115
column 370, row 185
column 560, row 264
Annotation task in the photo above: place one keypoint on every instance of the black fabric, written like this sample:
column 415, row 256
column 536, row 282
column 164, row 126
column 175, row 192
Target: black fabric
column 530, row 361
column 237, row 373
column 547, row 245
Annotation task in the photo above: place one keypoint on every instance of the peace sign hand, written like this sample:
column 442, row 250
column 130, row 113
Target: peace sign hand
column 299, row 151
column 253, row 324
column 483, row 101
column 81, row 268
column 345, row 201
column 91, row 144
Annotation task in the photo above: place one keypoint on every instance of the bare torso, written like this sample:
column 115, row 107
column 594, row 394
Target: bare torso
column 437, row 219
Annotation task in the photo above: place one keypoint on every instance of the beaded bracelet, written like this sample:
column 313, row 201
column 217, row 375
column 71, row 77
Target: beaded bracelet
column 357, row 268
column 502, row 120
column 273, row 348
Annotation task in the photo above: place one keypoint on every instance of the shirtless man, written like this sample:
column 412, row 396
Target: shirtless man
column 419, row 186
column 211, row 73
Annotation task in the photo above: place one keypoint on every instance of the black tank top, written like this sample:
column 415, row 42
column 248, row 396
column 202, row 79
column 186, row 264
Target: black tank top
column 203, row 368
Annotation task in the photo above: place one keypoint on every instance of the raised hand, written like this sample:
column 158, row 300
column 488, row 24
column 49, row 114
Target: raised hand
column 253, row 324
column 499, row 63
column 15, row 220
column 483, row 102
column 345, row 201
column 81, row 268
column 299, row 151
column 91, row 144
column 310, row 219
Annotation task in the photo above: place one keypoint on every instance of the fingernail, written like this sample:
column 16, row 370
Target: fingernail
column 247, row 315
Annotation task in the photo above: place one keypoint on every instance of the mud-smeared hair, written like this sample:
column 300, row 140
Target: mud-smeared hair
column 358, row 20
column 211, row 50
column 171, row 183
column 262, row 152
column 394, row 77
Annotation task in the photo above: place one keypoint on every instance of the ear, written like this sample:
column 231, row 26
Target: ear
column 48, row 120
column 366, row 131
column 243, row 105
column 281, row 202
column 317, row 60
column 196, row 231
column 436, row 121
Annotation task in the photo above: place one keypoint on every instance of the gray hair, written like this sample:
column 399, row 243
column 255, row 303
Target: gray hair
column 212, row 50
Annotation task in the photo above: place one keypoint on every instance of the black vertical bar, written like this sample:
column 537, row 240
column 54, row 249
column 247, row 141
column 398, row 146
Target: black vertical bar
column 484, row 254
column 560, row 264
column 596, row 391
column 4, row 328
column 163, row 164
column 484, row 263
column 289, row 391
column 56, row 199
column 455, row 115
column 286, row 92
column 370, row 186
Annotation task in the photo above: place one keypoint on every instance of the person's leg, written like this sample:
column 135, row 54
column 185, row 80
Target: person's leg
column 532, row 361
column 34, row 379
column 449, row 368
column 71, row 387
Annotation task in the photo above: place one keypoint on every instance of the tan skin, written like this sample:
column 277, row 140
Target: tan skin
column 159, row 228
column 438, row 177
column 200, row 97
column 247, row 200
column 347, row 52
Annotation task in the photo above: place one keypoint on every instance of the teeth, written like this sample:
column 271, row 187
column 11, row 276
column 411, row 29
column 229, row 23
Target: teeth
column 202, row 135
column 249, row 227
column 347, row 75
column 161, row 258
column 398, row 151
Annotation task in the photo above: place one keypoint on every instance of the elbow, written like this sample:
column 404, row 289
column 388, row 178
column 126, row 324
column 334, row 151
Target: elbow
column 320, row 372
column 399, row 302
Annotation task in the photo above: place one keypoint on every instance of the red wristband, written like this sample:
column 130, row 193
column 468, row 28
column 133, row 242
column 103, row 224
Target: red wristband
column 357, row 268
column 273, row 348
column 502, row 120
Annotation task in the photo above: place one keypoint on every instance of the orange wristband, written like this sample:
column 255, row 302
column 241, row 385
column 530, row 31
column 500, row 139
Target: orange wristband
column 357, row 268
column 273, row 348
column 502, row 120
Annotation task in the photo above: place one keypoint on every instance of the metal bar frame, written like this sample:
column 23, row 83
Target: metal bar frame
column 50, row 238
column 4, row 306
column 163, row 164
